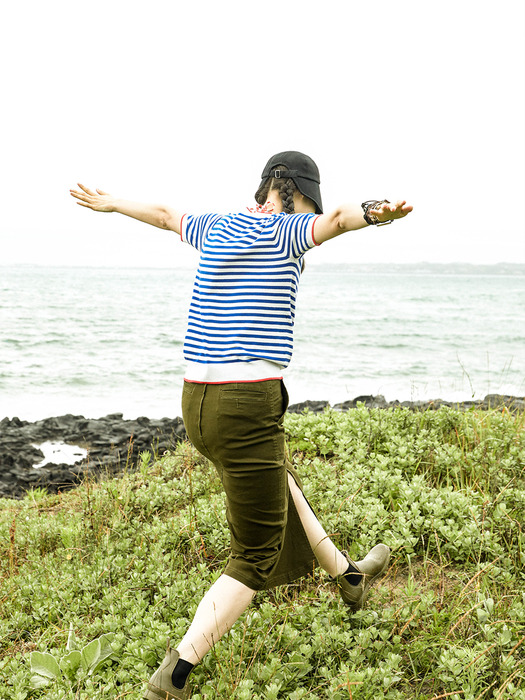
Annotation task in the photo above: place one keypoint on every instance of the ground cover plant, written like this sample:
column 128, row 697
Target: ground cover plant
column 93, row 581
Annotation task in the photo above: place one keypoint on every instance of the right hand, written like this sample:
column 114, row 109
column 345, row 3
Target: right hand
column 388, row 212
column 98, row 201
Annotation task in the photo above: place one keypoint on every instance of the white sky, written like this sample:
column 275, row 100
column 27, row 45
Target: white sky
column 183, row 103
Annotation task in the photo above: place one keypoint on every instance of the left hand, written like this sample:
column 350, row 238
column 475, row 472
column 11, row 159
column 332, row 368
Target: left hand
column 97, row 201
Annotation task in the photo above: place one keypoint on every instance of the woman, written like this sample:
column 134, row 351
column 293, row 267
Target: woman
column 239, row 339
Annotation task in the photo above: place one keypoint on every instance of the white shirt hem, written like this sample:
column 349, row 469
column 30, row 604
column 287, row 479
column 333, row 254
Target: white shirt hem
column 232, row 372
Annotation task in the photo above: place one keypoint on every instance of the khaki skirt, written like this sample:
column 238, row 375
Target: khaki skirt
column 239, row 427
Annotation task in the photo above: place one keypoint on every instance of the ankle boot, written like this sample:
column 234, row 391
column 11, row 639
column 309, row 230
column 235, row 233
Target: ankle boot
column 160, row 686
column 371, row 567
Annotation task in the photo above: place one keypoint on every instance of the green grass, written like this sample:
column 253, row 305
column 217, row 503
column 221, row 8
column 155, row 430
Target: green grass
column 132, row 556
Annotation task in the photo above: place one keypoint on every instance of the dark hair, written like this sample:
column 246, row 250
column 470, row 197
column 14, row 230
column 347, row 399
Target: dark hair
column 285, row 188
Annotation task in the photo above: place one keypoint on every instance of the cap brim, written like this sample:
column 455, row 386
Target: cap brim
column 311, row 190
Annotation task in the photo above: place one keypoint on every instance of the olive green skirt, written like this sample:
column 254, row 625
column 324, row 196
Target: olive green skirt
column 239, row 427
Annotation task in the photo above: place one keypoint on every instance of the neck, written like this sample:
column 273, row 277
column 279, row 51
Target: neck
column 275, row 199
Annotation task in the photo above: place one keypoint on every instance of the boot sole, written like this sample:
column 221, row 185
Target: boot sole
column 152, row 694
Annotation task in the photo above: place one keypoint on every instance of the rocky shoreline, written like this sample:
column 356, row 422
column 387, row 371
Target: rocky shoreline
column 114, row 444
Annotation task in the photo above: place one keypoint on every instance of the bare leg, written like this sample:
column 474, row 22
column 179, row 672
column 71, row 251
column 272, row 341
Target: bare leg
column 328, row 556
column 221, row 606
column 228, row 598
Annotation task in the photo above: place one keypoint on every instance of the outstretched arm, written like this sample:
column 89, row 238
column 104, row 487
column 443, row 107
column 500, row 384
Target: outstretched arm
column 350, row 217
column 154, row 214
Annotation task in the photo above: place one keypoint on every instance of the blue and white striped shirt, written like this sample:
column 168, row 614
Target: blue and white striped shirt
column 243, row 303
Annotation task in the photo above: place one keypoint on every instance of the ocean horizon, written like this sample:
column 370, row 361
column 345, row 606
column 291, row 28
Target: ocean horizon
column 93, row 341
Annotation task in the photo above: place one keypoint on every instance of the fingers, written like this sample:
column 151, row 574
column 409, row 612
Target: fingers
column 79, row 195
column 402, row 208
column 387, row 211
column 398, row 209
column 97, row 201
column 86, row 190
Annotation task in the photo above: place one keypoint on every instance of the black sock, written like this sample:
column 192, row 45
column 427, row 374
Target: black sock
column 353, row 575
column 180, row 673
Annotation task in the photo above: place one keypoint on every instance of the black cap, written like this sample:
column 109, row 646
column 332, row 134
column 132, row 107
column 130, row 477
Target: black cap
column 301, row 169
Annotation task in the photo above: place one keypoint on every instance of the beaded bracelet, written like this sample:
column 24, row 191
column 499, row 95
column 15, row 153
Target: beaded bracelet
column 371, row 218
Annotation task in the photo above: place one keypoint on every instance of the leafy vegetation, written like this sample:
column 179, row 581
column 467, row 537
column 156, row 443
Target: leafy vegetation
column 123, row 563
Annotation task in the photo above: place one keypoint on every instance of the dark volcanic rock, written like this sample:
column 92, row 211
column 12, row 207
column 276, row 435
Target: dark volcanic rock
column 313, row 406
column 369, row 401
column 112, row 443
column 491, row 401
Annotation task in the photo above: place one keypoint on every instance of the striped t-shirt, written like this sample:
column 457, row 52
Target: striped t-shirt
column 243, row 302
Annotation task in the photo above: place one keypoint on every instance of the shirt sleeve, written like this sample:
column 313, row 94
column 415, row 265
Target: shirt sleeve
column 298, row 230
column 194, row 229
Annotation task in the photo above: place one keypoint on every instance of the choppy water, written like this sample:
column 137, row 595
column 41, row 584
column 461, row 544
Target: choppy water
column 95, row 341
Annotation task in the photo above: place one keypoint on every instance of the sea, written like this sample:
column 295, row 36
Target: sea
column 94, row 341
